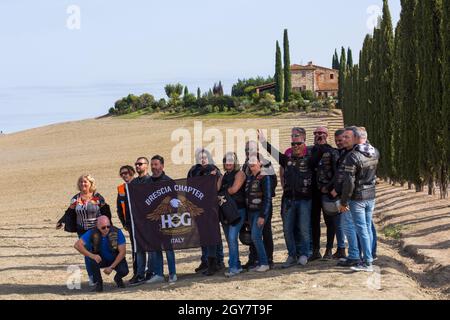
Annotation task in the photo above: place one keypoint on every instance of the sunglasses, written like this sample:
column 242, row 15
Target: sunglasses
column 125, row 174
column 138, row 164
column 296, row 144
column 296, row 135
column 105, row 227
column 319, row 133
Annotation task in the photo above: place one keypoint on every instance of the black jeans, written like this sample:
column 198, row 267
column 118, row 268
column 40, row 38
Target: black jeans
column 268, row 242
column 121, row 269
column 316, row 209
column 133, row 255
column 330, row 222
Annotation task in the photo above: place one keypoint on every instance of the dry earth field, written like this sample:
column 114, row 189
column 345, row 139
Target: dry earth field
column 39, row 169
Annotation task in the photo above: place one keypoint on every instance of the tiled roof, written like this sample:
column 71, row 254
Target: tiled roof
column 309, row 67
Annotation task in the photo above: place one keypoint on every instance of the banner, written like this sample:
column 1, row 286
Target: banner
column 176, row 214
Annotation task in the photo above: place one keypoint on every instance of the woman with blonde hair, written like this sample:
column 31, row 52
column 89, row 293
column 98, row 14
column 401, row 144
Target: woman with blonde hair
column 85, row 207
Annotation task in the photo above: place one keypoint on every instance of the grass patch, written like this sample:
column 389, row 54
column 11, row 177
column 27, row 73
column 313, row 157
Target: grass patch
column 215, row 115
column 248, row 114
column 393, row 231
column 133, row 115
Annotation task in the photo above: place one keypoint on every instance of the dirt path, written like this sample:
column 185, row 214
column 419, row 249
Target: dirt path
column 419, row 226
column 39, row 171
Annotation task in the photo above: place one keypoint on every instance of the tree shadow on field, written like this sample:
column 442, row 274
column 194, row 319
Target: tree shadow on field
column 388, row 217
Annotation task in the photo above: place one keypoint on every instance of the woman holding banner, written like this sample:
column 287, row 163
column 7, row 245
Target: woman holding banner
column 212, row 257
column 233, row 183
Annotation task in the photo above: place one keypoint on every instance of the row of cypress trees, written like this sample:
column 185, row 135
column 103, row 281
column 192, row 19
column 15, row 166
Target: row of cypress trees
column 283, row 85
column 400, row 92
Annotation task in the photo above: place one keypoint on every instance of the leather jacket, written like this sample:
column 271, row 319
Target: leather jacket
column 360, row 174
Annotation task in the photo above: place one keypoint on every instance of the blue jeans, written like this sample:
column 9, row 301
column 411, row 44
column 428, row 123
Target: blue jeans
column 143, row 258
column 87, row 262
column 297, row 217
column 232, row 235
column 121, row 269
column 158, row 262
column 375, row 240
column 257, row 238
column 348, row 227
column 362, row 217
column 340, row 235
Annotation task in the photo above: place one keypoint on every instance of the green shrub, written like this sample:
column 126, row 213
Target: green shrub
column 308, row 95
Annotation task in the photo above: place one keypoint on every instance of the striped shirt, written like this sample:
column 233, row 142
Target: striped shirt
column 87, row 211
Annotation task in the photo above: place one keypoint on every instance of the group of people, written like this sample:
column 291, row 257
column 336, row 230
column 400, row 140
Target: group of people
column 338, row 183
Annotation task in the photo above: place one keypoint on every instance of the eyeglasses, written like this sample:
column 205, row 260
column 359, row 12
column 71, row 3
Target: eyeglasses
column 296, row 144
column 138, row 164
column 105, row 227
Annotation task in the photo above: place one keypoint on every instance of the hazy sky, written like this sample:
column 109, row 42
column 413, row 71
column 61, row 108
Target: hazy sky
column 152, row 42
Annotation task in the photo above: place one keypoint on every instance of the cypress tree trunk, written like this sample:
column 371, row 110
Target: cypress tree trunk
column 431, row 187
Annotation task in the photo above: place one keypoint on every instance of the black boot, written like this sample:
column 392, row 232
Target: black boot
column 328, row 254
column 316, row 255
column 98, row 287
column 202, row 267
column 212, row 267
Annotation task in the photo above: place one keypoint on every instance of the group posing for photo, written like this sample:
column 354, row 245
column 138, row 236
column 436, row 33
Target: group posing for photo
column 319, row 180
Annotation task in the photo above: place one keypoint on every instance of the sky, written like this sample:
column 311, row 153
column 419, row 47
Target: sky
column 58, row 64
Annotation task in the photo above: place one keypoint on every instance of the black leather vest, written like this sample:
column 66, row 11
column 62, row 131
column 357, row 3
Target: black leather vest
column 113, row 236
column 298, row 177
column 227, row 182
column 254, row 193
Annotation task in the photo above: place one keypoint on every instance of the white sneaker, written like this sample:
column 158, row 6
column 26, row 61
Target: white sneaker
column 363, row 267
column 263, row 268
column 155, row 279
column 91, row 281
column 303, row 260
column 230, row 274
column 173, row 278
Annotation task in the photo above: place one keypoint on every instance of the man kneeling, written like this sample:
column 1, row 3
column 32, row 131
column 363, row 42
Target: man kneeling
column 105, row 248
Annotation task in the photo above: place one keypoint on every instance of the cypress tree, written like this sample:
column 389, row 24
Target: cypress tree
column 430, row 91
column 398, row 129
column 374, row 113
column 363, row 82
column 186, row 91
column 444, row 172
column 349, row 59
column 386, row 96
column 287, row 67
column 335, row 64
column 347, row 104
column 342, row 74
column 408, row 162
column 355, row 93
column 278, row 75
column 199, row 93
